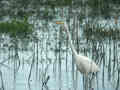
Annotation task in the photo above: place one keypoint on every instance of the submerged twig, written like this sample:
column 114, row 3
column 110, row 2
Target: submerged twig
column 33, row 60
column 2, row 87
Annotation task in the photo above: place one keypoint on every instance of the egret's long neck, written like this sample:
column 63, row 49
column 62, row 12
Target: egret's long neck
column 69, row 38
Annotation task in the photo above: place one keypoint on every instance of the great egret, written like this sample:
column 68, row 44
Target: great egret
column 83, row 63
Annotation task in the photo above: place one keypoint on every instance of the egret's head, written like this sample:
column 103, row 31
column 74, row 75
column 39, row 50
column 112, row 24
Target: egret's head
column 59, row 22
column 62, row 23
column 64, row 26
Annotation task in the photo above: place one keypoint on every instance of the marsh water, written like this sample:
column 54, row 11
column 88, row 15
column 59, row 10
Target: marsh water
column 45, row 62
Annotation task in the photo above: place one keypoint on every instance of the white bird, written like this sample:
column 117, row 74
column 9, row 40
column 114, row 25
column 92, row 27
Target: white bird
column 84, row 64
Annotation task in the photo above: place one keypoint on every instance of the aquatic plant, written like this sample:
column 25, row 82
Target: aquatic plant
column 16, row 28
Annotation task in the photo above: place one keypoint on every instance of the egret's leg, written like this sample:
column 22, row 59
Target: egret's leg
column 83, row 82
column 97, row 80
column 86, row 81
column 93, row 80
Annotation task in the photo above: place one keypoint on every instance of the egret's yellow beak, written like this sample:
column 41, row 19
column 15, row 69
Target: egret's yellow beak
column 59, row 22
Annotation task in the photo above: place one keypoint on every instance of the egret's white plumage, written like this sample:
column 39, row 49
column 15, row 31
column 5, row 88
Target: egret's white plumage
column 83, row 63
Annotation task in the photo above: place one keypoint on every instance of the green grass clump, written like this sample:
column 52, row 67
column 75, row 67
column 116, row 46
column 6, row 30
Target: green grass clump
column 16, row 28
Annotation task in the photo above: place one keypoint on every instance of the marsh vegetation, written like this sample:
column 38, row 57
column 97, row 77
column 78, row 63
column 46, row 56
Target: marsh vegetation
column 35, row 53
